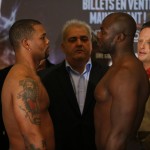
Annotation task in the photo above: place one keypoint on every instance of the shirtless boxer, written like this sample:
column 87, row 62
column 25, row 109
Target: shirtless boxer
column 24, row 99
column 122, row 93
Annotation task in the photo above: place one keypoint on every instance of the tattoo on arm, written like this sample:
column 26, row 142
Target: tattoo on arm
column 30, row 146
column 29, row 97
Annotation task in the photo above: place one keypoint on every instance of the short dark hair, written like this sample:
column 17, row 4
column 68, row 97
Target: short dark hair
column 145, row 25
column 20, row 30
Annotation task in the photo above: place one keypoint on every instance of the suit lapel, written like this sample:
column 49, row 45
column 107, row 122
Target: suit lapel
column 96, row 74
column 67, row 88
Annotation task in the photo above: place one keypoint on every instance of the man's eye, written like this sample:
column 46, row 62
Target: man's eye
column 84, row 38
column 143, row 42
column 73, row 39
column 103, row 32
column 147, row 42
column 43, row 37
column 140, row 41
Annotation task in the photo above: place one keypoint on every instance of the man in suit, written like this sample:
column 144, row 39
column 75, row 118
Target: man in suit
column 73, row 119
column 143, row 51
column 3, row 134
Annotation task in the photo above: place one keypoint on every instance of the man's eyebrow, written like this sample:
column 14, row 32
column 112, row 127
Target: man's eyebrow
column 78, row 36
column 144, row 39
column 72, row 37
column 44, row 34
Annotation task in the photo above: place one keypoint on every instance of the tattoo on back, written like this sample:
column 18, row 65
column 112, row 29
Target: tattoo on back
column 29, row 97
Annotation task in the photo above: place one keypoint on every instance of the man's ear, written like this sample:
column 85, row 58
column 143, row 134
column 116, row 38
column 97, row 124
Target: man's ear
column 25, row 44
column 62, row 46
column 121, row 37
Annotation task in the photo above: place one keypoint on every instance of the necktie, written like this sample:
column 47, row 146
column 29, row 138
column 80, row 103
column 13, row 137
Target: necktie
column 148, row 72
column 81, row 92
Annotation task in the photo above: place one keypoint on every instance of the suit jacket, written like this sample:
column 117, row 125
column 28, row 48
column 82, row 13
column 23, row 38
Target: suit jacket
column 3, row 135
column 73, row 131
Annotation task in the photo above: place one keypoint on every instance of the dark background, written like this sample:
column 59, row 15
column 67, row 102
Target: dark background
column 53, row 14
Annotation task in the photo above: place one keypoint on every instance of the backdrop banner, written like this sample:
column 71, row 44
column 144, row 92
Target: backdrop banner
column 54, row 13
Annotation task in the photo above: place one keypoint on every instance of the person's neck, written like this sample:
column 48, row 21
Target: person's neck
column 78, row 66
column 120, row 56
column 146, row 66
column 29, row 63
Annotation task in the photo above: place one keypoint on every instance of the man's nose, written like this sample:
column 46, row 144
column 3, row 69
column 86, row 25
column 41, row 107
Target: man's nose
column 79, row 42
column 47, row 41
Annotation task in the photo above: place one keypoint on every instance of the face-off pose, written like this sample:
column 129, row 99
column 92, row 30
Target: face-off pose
column 122, row 93
column 28, row 123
